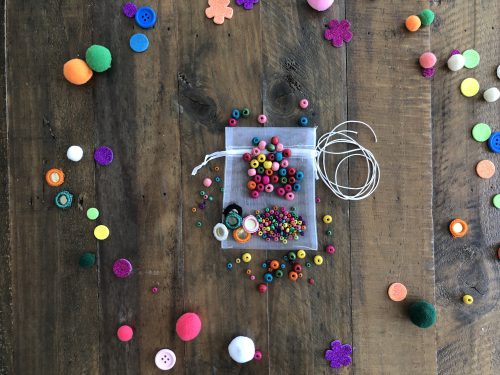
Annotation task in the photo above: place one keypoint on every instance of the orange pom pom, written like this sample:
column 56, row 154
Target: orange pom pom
column 77, row 71
column 413, row 23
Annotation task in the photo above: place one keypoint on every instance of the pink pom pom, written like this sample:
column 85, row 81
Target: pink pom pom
column 188, row 326
column 427, row 60
column 125, row 333
column 320, row 5
column 207, row 182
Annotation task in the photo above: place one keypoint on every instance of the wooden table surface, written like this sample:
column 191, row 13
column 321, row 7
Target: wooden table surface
column 163, row 110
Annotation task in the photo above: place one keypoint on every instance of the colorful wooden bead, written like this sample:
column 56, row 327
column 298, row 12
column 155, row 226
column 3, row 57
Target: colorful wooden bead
column 232, row 122
column 262, row 119
column 304, row 103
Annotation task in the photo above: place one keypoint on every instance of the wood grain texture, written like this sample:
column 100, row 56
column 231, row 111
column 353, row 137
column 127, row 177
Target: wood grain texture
column 467, row 335
column 162, row 111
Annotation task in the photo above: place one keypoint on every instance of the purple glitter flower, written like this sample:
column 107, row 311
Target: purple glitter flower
column 247, row 4
column 129, row 9
column 339, row 355
column 338, row 32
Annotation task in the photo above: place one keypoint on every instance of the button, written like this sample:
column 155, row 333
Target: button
column 122, row 268
column 471, row 58
column 481, row 132
column 494, row 142
column 145, row 17
column 165, row 359
column 139, row 42
column 103, row 155
column 92, row 213
column 54, row 177
column 397, row 292
column 101, row 232
column 469, row 87
column 485, row 169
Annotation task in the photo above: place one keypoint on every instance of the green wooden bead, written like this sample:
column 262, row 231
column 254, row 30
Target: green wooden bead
column 245, row 112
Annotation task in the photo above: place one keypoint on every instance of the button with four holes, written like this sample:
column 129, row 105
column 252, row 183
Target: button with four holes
column 165, row 359
column 145, row 17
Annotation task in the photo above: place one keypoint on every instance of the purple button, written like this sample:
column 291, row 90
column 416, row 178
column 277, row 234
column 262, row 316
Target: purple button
column 129, row 9
column 103, row 155
column 122, row 268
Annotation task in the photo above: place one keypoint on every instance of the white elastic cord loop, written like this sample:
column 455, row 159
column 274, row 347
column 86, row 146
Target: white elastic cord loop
column 208, row 158
column 342, row 137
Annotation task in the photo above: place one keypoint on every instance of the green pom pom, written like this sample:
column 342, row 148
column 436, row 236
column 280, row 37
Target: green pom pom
column 98, row 58
column 87, row 260
column 427, row 17
column 423, row 314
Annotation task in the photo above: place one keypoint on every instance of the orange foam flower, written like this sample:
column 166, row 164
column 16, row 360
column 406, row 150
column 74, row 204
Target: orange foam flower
column 218, row 10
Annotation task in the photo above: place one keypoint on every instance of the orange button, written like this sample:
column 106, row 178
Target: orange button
column 54, row 177
column 397, row 292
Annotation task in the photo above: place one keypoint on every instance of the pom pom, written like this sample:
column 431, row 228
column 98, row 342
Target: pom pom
column 74, row 153
column 98, row 58
column 125, row 333
column 188, row 326
column 241, row 349
column 491, row 95
column 77, row 72
column 427, row 17
column 423, row 314
column 320, row 5
column 87, row 260
column 427, row 60
column 456, row 62
column 413, row 23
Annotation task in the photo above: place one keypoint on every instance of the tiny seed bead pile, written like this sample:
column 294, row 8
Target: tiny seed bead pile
column 278, row 224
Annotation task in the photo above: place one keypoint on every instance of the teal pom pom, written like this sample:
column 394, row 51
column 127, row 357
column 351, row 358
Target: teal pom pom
column 87, row 260
column 426, row 17
column 423, row 314
column 98, row 58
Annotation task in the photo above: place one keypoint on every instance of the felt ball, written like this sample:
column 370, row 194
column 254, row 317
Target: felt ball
column 456, row 62
column 87, row 260
column 491, row 95
column 427, row 60
column 498, row 71
column 207, row 182
column 74, row 153
column 241, row 349
column 77, row 71
column 125, row 333
column 98, row 58
column 413, row 23
column 428, row 72
column 426, row 17
column 320, row 5
column 423, row 314
column 188, row 326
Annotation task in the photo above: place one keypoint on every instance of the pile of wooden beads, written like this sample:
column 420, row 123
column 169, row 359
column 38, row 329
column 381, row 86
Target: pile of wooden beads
column 278, row 224
column 271, row 172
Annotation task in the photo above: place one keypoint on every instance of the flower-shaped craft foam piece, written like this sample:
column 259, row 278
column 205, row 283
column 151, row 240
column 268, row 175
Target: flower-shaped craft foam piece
column 247, row 4
column 219, row 10
column 339, row 355
column 338, row 32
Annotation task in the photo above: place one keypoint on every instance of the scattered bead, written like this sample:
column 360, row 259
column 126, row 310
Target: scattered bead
column 268, row 277
column 293, row 276
column 311, row 281
column 458, row 228
column 229, row 265
column 252, row 277
column 154, row 290
column 318, row 260
column 304, row 103
column 247, row 257
column 327, row 219
column 329, row 232
column 301, row 254
column 262, row 119
column 235, row 114
column 468, row 300
column 245, row 112
column 330, row 249
column 199, row 223
column 237, row 260
column 232, row 122
column 262, row 288
column 317, row 200
column 258, row 355
column 303, row 121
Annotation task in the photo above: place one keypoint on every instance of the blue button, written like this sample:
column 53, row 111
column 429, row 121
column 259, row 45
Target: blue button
column 145, row 17
column 494, row 142
column 139, row 42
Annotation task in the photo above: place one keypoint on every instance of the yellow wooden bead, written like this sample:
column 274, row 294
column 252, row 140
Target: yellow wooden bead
column 268, row 164
column 254, row 163
column 238, row 260
column 301, row 254
column 327, row 219
column 261, row 158
column 246, row 257
column 318, row 260
column 468, row 300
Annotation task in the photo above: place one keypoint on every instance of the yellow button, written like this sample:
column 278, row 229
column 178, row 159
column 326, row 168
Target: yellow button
column 318, row 260
column 246, row 257
column 301, row 254
column 327, row 219
column 468, row 299
column 101, row 232
column 469, row 87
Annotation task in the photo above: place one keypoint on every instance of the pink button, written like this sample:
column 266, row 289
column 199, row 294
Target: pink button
column 165, row 359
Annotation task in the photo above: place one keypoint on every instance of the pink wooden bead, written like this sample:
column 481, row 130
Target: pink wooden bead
column 304, row 103
column 290, row 196
column 262, row 145
column 265, row 180
column 254, row 194
column 280, row 191
column 276, row 166
column 262, row 119
column 288, row 188
column 260, row 187
column 284, row 163
column 207, row 182
column 330, row 249
column 269, row 188
column 257, row 178
column 252, row 172
column 279, row 147
column 232, row 122
column 255, row 151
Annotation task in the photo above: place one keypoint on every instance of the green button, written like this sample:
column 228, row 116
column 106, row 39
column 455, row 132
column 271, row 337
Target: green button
column 481, row 132
column 92, row 213
column 471, row 58
column 496, row 201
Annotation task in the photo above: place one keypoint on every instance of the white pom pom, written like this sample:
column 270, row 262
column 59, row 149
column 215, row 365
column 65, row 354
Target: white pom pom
column 75, row 153
column 241, row 349
column 491, row 95
column 456, row 62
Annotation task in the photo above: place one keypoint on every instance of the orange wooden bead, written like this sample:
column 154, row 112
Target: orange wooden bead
column 458, row 228
column 274, row 264
column 251, row 185
column 292, row 275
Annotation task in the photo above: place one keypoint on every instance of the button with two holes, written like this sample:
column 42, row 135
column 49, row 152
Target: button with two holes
column 145, row 17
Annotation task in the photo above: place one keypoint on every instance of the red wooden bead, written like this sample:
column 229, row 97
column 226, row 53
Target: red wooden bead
column 275, row 140
column 297, row 268
column 287, row 152
column 254, row 194
column 262, row 288
column 247, row 156
column 274, row 179
column 232, row 122
column 280, row 191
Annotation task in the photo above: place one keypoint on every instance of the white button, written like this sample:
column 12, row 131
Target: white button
column 165, row 359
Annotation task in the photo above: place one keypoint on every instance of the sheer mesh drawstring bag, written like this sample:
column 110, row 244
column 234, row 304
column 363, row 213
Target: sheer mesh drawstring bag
column 302, row 143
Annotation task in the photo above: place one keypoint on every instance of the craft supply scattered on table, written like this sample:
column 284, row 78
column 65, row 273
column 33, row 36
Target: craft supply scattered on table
column 338, row 32
column 125, row 333
column 241, row 349
column 339, row 355
column 320, row 5
column 423, row 314
column 458, row 228
column 188, row 326
column 219, row 10
column 74, row 153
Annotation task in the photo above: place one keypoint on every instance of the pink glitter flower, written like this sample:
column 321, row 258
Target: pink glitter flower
column 338, row 32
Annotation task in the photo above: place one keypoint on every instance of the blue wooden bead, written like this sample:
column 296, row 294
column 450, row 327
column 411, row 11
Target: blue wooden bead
column 278, row 156
column 282, row 172
column 299, row 175
column 255, row 141
column 296, row 187
column 268, row 277
column 235, row 114
column 303, row 121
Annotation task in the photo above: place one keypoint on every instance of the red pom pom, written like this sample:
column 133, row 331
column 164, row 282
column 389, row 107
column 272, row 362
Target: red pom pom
column 188, row 326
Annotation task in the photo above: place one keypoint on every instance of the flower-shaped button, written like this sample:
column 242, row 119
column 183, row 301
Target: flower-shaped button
column 338, row 32
column 339, row 355
column 247, row 4
column 219, row 10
